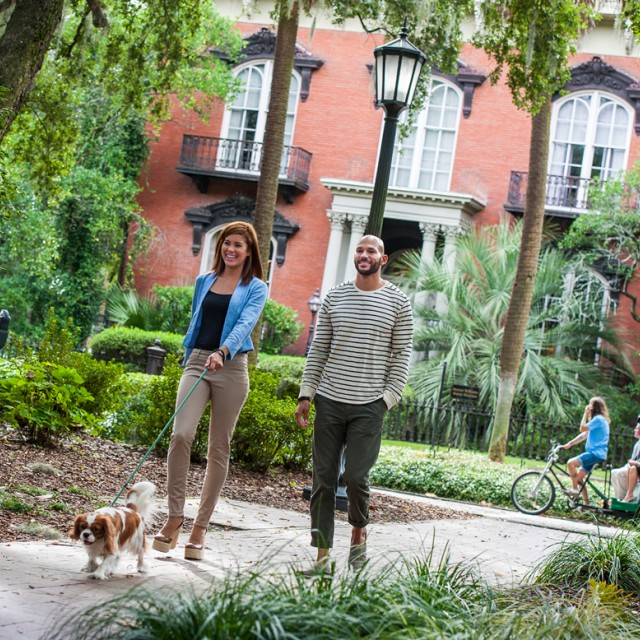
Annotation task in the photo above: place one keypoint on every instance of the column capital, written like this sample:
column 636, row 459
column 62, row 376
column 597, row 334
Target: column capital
column 358, row 223
column 429, row 230
column 338, row 220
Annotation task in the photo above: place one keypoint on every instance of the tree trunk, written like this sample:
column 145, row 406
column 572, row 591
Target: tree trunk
column 23, row 46
column 522, row 293
column 274, row 139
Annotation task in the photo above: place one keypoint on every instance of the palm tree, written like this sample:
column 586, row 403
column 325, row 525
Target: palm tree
column 460, row 316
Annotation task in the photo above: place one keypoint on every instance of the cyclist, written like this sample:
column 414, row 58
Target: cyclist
column 594, row 428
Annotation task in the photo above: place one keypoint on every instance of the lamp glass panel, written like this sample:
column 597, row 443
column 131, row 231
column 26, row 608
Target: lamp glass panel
column 416, row 69
column 390, row 76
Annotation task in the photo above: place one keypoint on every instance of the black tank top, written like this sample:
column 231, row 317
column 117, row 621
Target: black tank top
column 214, row 313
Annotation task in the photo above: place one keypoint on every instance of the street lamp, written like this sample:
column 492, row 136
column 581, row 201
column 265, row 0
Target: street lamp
column 5, row 320
column 314, row 306
column 398, row 67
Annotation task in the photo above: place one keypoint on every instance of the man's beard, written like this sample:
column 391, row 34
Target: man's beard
column 369, row 269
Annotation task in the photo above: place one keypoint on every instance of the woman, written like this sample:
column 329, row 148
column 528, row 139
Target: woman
column 594, row 428
column 227, row 303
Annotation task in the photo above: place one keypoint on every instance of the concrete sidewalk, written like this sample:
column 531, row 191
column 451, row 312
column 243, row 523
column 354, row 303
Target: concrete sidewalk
column 41, row 581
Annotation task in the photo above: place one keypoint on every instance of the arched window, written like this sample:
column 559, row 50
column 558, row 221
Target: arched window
column 424, row 159
column 245, row 119
column 590, row 140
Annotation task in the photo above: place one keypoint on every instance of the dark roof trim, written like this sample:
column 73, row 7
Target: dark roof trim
column 238, row 207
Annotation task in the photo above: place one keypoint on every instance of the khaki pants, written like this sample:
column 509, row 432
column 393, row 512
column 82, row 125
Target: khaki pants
column 227, row 389
column 336, row 424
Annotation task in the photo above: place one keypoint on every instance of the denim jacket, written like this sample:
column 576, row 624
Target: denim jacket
column 245, row 308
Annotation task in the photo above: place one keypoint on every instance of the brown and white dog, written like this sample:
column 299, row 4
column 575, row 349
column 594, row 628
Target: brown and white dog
column 111, row 531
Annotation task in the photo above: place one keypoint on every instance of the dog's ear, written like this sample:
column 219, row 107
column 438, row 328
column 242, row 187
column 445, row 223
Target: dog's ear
column 74, row 534
column 110, row 535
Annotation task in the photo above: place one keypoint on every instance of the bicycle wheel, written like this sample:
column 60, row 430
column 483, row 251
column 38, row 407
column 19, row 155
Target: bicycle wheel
column 533, row 493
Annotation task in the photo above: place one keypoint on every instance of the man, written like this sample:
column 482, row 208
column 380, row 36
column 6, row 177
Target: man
column 356, row 371
column 625, row 479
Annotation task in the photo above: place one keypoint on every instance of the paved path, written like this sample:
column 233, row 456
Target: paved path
column 39, row 581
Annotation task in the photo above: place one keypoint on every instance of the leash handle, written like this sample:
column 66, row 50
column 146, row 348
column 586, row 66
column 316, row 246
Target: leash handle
column 151, row 448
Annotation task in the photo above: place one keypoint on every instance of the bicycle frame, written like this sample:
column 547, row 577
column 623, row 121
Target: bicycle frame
column 608, row 504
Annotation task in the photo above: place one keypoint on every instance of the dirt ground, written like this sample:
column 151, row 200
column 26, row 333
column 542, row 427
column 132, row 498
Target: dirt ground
column 50, row 486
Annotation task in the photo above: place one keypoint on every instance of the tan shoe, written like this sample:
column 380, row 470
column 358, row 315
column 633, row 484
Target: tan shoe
column 193, row 551
column 164, row 544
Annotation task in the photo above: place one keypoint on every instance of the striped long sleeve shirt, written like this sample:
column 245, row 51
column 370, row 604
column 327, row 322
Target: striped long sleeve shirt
column 362, row 345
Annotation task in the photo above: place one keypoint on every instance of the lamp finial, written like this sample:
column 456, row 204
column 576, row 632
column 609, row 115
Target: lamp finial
column 403, row 32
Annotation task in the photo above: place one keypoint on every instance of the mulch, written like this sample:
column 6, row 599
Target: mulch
column 84, row 472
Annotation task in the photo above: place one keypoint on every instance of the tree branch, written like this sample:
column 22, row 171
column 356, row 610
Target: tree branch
column 99, row 17
column 634, row 302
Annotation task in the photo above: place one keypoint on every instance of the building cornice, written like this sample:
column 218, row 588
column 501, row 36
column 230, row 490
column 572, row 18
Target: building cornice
column 449, row 199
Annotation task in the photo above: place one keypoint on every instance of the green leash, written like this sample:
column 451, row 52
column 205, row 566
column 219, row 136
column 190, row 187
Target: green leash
column 175, row 413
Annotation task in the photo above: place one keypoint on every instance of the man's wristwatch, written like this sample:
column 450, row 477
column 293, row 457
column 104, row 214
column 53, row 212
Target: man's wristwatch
column 304, row 398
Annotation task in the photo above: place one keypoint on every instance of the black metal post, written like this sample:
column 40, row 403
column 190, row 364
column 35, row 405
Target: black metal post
column 381, row 184
column 312, row 327
column 5, row 320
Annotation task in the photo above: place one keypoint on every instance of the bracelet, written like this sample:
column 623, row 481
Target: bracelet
column 222, row 354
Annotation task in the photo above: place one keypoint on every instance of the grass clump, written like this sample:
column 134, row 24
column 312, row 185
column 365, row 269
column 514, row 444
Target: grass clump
column 421, row 598
column 11, row 503
column 44, row 468
column 29, row 490
column 43, row 531
column 80, row 491
column 614, row 561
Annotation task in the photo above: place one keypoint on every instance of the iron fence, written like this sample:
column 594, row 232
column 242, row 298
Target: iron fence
column 465, row 426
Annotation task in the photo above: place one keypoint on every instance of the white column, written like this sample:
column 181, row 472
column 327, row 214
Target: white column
column 333, row 251
column 358, row 225
column 429, row 237
column 449, row 257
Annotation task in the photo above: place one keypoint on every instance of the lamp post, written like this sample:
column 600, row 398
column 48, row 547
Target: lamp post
column 398, row 67
column 314, row 306
column 5, row 320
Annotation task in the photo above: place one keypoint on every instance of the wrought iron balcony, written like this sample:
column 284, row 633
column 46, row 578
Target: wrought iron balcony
column 566, row 196
column 204, row 157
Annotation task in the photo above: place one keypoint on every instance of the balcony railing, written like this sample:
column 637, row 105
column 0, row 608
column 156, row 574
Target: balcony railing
column 205, row 156
column 566, row 196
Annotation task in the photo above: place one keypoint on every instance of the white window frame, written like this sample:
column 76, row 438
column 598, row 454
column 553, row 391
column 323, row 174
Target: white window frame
column 586, row 167
column 420, row 129
column 265, row 67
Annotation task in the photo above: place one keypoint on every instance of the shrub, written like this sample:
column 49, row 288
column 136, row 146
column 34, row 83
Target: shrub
column 147, row 404
column 46, row 400
column 291, row 367
column 129, row 346
column 101, row 380
column 175, row 305
column 267, row 433
column 281, row 327
column 455, row 474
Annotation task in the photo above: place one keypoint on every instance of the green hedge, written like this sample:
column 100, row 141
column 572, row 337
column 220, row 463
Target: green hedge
column 453, row 474
column 266, row 434
column 129, row 346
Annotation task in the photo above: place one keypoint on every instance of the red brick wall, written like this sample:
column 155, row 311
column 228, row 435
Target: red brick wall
column 340, row 126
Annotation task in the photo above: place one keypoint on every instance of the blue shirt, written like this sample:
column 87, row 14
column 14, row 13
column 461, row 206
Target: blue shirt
column 245, row 307
column 598, row 437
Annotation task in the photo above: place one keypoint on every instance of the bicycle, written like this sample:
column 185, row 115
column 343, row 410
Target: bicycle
column 534, row 492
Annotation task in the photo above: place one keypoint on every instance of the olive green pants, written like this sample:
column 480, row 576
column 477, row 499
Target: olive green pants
column 227, row 389
column 336, row 425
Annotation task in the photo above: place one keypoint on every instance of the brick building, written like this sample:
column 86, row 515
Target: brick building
column 464, row 165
